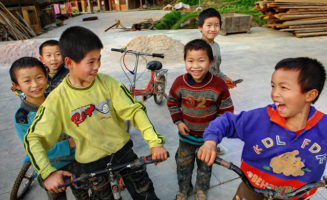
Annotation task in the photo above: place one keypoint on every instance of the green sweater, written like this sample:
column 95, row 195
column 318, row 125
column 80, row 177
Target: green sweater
column 93, row 116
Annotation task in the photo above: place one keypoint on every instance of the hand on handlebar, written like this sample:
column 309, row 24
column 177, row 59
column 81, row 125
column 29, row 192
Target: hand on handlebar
column 158, row 153
column 55, row 179
column 208, row 152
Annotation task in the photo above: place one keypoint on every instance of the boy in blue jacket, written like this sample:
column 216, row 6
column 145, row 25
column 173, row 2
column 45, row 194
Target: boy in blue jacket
column 284, row 143
column 29, row 75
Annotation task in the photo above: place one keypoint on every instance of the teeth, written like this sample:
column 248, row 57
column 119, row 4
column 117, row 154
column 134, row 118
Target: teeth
column 277, row 104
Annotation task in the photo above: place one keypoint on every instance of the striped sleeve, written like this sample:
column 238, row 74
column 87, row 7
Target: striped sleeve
column 225, row 104
column 39, row 139
column 174, row 102
column 135, row 111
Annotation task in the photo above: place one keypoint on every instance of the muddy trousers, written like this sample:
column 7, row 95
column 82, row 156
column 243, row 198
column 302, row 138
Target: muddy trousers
column 80, row 194
column 185, row 160
column 138, row 184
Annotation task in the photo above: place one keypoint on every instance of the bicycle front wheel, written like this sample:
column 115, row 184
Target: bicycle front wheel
column 22, row 182
column 159, row 90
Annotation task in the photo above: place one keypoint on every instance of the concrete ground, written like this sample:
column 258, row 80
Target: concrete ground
column 248, row 56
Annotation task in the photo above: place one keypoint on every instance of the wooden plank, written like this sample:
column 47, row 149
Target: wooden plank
column 301, row 1
column 304, row 21
column 305, row 30
column 311, row 30
column 310, row 34
column 306, row 10
column 282, row 16
column 301, row 7
column 308, row 25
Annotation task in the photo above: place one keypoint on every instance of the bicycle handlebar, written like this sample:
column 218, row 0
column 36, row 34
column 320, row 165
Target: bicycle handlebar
column 123, row 50
column 144, row 160
column 269, row 192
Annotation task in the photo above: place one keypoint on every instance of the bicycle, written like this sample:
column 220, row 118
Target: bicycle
column 114, row 175
column 23, row 181
column 267, row 192
column 156, row 85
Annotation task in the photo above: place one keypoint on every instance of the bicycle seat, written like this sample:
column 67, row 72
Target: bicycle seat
column 154, row 65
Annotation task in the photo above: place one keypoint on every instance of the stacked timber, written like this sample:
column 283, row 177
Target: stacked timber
column 14, row 26
column 304, row 18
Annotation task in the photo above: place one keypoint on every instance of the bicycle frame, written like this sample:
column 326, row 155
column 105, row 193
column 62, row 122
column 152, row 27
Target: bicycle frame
column 269, row 193
column 113, row 172
column 150, row 86
column 155, row 76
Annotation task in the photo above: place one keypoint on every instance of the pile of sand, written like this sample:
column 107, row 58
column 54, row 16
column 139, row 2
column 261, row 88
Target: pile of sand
column 172, row 49
column 12, row 51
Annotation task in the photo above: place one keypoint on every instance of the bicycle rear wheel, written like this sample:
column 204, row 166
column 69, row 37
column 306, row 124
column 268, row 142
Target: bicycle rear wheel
column 23, row 181
column 159, row 90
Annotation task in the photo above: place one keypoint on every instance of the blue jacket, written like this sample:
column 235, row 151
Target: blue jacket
column 272, row 154
column 60, row 155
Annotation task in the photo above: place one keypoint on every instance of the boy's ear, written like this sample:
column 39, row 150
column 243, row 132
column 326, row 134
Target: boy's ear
column 311, row 95
column 41, row 59
column 14, row 86
column 68, row 62
column 200, row 28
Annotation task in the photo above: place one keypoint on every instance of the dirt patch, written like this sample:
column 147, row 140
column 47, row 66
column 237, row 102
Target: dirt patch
column 12, row 51
column 172, row 49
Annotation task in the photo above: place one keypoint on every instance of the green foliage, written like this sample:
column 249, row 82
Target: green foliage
column 190, row 2
column 185, row 17
column 168, row 20
column 239, row 6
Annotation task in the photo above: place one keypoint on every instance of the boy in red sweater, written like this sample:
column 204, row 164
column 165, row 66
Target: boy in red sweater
column 195, row 99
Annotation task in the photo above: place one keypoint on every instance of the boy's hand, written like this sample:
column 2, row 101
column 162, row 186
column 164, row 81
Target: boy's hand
column 158, row 153
column 71, row 143
column 230, row 83
column 55, row 179
column 182, row 128
column 208, row 152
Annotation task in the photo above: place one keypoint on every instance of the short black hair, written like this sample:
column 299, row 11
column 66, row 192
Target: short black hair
column 198, row 44
column 75, row 42
column 25, row 62
column 48, row 43
column 207, row 13
column 312, row 72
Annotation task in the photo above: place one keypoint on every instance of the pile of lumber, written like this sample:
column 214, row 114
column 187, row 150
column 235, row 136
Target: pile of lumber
column 15, row 26
column 304, row 18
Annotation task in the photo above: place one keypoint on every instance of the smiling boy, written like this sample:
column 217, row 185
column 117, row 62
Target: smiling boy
column 92, row 108
column 284, row 143
column 195, row 98
column 209, row 26
column 51, row 57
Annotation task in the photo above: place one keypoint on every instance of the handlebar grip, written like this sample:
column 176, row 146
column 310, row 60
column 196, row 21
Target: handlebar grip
column 69, row 180
column 65, row 184
column 159, row 55
column 148, row 159
column 119, row 50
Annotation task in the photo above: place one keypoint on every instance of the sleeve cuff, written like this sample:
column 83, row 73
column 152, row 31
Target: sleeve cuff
column 46, row 172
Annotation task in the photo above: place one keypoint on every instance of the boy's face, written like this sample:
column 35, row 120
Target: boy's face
column 197, row 64
column 83, row 73
column 210, row 29
column 51, row 57
column 287, row 94
column 32, row 82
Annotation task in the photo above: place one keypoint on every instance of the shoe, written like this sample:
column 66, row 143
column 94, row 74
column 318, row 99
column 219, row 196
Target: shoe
column 182, row 196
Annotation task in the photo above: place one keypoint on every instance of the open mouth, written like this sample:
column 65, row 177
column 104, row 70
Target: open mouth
column 280, row 107
column 37, row 91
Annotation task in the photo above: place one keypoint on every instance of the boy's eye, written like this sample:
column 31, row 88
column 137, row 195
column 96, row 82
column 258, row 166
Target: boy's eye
column 26, row 81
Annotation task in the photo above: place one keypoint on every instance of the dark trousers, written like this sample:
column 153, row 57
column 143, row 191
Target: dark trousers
column 185, row 164
column 80, row 194
column 138, row 184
